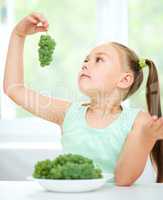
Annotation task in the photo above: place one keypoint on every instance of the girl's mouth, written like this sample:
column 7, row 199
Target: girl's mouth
column 84, row 76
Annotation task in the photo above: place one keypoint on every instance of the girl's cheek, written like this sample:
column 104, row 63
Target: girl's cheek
column 97, row 79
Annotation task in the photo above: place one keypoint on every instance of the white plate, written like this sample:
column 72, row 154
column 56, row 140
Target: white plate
column 73, row 185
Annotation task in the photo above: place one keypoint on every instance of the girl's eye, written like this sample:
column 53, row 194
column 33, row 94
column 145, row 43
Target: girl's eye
column 99, row 59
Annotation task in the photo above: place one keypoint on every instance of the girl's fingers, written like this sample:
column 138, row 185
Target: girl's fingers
column 32, row 20
column 154, row 117
column 155, row 126
column 46, row 24
column 161, row 122
column 154, row 123
column 40, row 29
column 158, row 124
column 161, row 128
column 40, row 18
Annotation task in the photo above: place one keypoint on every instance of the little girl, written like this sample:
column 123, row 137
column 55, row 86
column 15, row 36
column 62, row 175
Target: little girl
column 118, row 138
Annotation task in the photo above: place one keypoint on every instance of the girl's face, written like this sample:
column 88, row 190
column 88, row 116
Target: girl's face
column 101, row 71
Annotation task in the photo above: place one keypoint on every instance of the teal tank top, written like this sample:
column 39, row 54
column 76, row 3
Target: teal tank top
column 103, row 145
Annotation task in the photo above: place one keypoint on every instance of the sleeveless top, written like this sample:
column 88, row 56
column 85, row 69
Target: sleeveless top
column 102, row 145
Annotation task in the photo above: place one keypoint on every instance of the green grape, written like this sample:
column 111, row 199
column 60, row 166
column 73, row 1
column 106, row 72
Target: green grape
column 46, row 47
column 67, row 166
column 42, row 169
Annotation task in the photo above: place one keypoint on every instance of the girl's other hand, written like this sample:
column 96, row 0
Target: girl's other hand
column 153, row 128
column 33, row 23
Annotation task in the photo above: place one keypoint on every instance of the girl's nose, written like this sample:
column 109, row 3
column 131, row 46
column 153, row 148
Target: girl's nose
column 84, row 67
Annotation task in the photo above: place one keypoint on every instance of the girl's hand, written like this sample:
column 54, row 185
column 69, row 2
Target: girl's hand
column 153, row 128
column 31, row 24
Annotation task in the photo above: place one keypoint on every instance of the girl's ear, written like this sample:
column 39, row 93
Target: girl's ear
column 125, row 80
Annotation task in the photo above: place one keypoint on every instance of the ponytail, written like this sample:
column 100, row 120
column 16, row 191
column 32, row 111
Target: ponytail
column 154, row 108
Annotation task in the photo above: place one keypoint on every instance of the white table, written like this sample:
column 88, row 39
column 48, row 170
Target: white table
column 28, row 190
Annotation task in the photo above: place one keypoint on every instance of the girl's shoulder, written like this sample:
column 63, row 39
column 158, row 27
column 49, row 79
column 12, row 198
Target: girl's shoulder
column 142, row 118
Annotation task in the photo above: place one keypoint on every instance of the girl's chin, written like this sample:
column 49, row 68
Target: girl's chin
column 84, row 88
column 87, row 89
column 84, row 84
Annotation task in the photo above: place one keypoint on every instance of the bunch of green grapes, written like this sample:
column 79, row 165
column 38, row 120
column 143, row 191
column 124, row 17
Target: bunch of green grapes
column 46, row 47
column 67, row 166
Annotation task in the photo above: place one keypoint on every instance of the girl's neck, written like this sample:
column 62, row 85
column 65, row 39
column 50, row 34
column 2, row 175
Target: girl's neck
column 101, row 108
column 108, row 104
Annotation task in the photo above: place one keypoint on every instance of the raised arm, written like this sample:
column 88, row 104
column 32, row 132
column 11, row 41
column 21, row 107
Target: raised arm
column 49, row 108
column 146, row 131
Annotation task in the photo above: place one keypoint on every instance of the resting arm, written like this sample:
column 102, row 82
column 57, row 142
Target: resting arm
column 133, row 157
